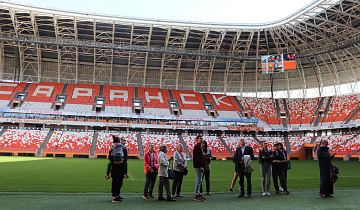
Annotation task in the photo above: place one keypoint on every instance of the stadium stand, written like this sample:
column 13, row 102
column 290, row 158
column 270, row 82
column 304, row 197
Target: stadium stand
column 268, row 106
column 233, row 141
column 104, row 142
column 297, row 141
column 27, row 105
column 78, row 108
column 53, row 141
column 272, row 140
column 194, row 113
column 348, row 147
column 335, row 140
column 154, row 97
column 75, row 141
column 295, row 110
column 256, row 109
column 171, row 141
column 308, row 110
column 157, row 112
column 22, row 139
column 228, row 114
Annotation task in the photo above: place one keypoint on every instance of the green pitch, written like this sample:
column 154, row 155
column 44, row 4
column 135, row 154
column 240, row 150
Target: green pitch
column 70, row 182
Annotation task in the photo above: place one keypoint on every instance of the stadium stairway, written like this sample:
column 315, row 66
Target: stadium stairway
column 257, row 139
column 314, row 140
column 344, row 142
column 93, row 145
column 287, row 145
column 187, row 151
column 43, row 145
column 225, row 145
column 140, row 146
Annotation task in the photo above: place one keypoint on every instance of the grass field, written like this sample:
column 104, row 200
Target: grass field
column 70, row 182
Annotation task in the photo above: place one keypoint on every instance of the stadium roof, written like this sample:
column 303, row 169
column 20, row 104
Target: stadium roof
column 41, row 44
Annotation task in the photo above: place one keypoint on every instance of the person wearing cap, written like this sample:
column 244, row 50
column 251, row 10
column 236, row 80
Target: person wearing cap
column 277, row 169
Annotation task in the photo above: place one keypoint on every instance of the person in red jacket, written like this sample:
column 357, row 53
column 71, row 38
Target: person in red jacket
column 150, row 168
column 199, row 165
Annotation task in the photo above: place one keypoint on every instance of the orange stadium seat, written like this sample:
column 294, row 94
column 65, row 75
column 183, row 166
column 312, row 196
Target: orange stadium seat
column 157, row 98
column 20, row 139
column 171, row 141
column 295, row 109
column 72, row 141
column 308, row 110
column 7, row 89
column 104, row 142
column 233, row 141
column 188, row 99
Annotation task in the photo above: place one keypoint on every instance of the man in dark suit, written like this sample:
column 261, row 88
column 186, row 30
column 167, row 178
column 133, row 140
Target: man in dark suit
column 239, row 167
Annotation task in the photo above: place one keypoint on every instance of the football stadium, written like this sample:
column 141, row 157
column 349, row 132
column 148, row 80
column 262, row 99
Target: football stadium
column 71, row 80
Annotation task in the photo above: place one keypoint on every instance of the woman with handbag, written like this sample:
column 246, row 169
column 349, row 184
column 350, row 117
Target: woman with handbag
column 208, row 155
column 285, row 165
column 180, row 169
column 163, row 174
column 151, row 167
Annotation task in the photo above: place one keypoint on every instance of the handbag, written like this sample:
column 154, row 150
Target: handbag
column 185, row 172
column 288, row 165
column 171, row 174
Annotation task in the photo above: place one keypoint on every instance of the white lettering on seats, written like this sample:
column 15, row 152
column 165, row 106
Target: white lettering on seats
column 159, row 97
column 82, row 92
column 183, row 95
column 218, row 100
column 116, row 94
column 42, row 89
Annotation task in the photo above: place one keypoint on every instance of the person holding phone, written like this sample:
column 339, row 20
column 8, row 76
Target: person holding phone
column 323, row 154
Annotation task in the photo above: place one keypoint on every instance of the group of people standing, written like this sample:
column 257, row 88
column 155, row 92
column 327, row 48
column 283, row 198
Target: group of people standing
column 272, row 163
column 157, row 165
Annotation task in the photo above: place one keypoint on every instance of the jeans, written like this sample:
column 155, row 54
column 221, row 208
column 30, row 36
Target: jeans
column 207, row 179
column 176, row 186
column 198, row 182
column 149, row 183
column 241, row 182
column 278, row 173
column 117, row 175
column 164, row 182
column 265, row 176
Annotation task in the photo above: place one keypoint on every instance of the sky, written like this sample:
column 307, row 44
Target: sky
column 219, row 11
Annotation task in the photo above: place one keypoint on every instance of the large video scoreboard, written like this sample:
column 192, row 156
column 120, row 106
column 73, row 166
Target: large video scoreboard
column 278, row 63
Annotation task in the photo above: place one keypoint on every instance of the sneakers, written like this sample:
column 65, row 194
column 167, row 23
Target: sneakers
column 209, row 194
column 286, row 193
column 263, row 194
column 178, row 195
column 241, row 195
column 116, row 199
column 231, row 190
column 267, row 193
column 145, row 196
column 150, row 196
column 281, row 189
column 248, row 195
column 198, row 199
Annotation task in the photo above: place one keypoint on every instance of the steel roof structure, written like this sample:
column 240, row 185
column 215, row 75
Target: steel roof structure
column 41, row 44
